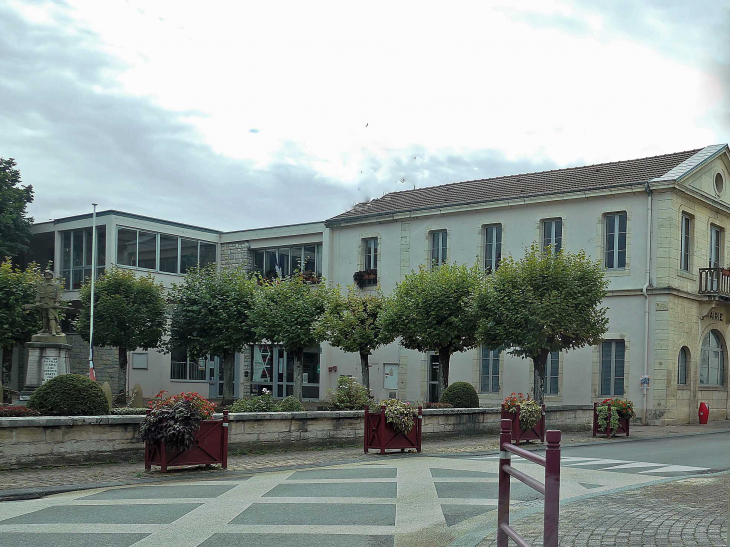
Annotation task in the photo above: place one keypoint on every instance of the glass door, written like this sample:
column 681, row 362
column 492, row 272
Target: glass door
column 433, row 378
column 715, row 243
column 284, row 377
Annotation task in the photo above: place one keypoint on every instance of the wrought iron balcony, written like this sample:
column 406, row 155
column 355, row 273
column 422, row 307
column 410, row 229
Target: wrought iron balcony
column 715, row 282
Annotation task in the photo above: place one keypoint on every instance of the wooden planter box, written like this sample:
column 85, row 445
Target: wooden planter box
column 623, row 424
column 379, row 434
column 537, row 433
column 210, row 447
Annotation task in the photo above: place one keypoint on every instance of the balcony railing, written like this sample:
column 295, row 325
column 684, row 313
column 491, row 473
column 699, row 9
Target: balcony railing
column 715, row 282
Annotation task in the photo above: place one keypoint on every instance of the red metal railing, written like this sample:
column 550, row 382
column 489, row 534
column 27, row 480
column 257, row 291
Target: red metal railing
column 550, row 488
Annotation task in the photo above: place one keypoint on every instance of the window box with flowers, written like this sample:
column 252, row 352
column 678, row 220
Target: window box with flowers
column 396, row 427
column 528, row 418
column 620, row 411
column 179, row 430
column 366, row 278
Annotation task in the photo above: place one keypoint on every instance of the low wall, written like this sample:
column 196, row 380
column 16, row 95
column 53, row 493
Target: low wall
column 64, row 440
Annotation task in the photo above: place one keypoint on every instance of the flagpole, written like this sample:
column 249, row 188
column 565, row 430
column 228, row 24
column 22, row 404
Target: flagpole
column 92, row 372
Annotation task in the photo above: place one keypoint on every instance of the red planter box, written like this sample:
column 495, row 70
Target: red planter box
column 210, row 447
column 537, row 433
column 379, row 434
column 623, row 424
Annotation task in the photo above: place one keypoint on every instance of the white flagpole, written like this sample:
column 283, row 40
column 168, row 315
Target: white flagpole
column 92, row 372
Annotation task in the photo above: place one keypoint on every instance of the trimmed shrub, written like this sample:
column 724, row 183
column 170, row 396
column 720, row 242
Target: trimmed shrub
column 69, row 395
column 261, row 403
column 461, row 395
column 349, row 395
column 290, row 404
column 129, row 411
column 8, row 411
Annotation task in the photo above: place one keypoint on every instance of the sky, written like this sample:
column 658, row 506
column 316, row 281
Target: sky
column 234, row 115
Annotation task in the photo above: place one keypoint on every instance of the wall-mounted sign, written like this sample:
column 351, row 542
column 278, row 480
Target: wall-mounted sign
column 714, row 315
column 50, row 368
column 390, row 376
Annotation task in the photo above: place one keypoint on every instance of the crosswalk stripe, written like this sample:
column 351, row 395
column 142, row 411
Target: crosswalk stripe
column 676, row 469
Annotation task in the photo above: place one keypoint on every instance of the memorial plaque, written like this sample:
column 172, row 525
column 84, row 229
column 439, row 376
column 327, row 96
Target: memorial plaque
column 50, row 368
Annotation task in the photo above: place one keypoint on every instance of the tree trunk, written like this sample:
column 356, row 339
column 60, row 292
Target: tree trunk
column 444, row 364
column 229, row 365
column 123, row 367
column 298, row 374
column 7, row 369
column 365, row 369
column 538, row 389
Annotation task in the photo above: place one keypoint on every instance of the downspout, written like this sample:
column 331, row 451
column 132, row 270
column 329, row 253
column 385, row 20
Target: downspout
column 646, row 297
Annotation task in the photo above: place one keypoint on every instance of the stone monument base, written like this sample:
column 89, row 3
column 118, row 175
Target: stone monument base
column 48, row 357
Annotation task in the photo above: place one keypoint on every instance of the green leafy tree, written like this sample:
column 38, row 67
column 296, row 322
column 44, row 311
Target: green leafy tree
column 286, row 312
column 211, row 315
column 432, row 310
column 542, row 303
column 129, row 313
column 17, row 289
column 14, row 199
column 351, row 324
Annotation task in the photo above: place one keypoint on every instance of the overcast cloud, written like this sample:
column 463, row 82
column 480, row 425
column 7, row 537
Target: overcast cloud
column 233, row 118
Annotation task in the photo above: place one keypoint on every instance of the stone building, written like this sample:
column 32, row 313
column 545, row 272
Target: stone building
column 656, row 224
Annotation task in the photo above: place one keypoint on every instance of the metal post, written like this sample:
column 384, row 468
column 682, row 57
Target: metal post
column 505, row 437
column 224, row 458
column 147, row 450
column 595, row 419
column 92, row 372
column 381, row 429
column 552, row 489
column 367, row 428
column 419, row 431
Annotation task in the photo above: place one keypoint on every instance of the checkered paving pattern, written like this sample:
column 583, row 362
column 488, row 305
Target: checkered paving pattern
column 399, row 501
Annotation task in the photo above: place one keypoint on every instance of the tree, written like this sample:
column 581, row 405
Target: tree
column 351, row 324
column 543, row 303
column 14, row 198
column 129, row 313
column 286, row 312
column 17, row 288
column 211, row 315
column 432, row 310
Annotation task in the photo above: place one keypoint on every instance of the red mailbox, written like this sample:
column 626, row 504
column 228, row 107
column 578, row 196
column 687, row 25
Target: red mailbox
column 704, row 413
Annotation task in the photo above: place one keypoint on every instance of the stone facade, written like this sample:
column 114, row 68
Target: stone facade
column 106, row 362
column 236, row 255
column 62, row 440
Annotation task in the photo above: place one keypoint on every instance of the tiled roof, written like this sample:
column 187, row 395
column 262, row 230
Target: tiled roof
column 558, row 181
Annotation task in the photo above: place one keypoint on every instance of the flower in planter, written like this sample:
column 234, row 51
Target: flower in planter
column 620, row 408
column 530, row 411
column 174, row 424
column 399, row 415
column 201, row 404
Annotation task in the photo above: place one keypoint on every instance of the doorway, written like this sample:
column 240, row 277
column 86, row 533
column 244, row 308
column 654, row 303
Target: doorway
column 433, row 378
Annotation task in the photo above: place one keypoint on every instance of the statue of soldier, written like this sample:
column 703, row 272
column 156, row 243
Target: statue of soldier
column 48, row 300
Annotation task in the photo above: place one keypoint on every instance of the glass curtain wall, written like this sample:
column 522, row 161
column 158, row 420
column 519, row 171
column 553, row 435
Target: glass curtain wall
column 76, row 256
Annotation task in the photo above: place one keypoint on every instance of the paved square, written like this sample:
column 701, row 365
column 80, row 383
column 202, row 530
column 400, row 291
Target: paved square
column 437, row 473
column 334, row 490
column 106, row 514
column 357, row 473
column 162, row 492
column 324, row 514
column 484, row 490
column 296, row 540
column 454, row 513
column 24, row 539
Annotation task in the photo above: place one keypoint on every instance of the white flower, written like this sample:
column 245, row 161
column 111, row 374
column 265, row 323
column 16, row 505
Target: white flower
column 265, row 391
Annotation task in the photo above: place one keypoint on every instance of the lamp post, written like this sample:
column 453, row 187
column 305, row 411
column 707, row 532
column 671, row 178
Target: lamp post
column 92, row 372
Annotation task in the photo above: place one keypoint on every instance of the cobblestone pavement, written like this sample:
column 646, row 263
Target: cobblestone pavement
column 133, row 470
column 690, row 512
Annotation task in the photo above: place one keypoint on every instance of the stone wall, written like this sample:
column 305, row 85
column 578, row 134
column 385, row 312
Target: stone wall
column 26, row 442
column 236, row 255
column 106, row 362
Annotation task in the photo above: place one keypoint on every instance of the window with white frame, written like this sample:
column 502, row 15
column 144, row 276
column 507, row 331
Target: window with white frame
column 285, row 261
column 493, row 247
column 712, row 360
column 76, row 256
column 612, row 367
column 370, row 253
column 184, row 368
column 552, row 374
column 439, row 247
column 615, row 241
column 682, row 362
column 490, row 371
column 162, row 252
column 716, row 238
column 685, row 242
column 552, row 234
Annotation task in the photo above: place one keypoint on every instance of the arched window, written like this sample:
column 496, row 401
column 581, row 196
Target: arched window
column 712, row 361
column 682, row 363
